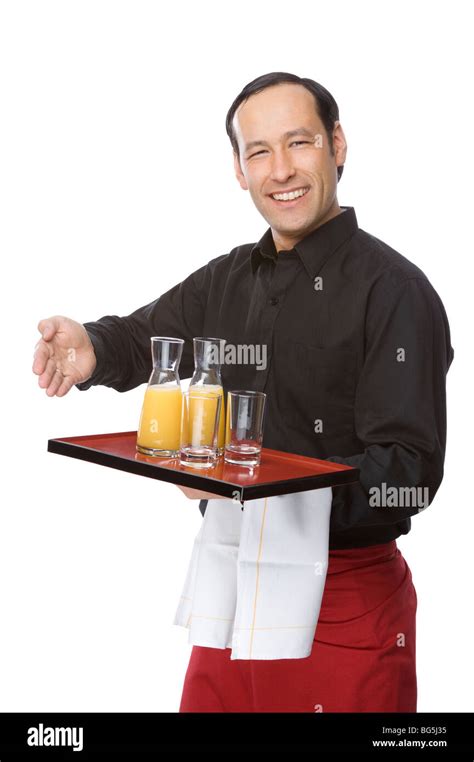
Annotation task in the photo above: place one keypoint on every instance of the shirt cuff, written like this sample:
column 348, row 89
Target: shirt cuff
column 97, row 375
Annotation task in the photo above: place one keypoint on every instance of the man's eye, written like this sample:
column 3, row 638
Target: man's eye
column 293, row 143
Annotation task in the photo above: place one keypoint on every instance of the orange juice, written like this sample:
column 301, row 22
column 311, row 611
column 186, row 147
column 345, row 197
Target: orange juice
column 212, row 390
column 160, row 420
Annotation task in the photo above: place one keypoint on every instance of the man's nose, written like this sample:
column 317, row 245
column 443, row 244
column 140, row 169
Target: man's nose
column 282, row 166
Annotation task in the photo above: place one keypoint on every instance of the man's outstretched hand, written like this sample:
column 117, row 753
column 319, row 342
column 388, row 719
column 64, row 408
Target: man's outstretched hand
column 64, row 355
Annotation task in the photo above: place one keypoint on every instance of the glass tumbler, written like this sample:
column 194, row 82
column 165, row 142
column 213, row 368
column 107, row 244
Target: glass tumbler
column 244, row 427
column 199, row 428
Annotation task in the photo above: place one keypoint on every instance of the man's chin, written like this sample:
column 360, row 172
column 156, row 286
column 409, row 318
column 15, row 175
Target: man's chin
column 297, row 231
column 289, row 223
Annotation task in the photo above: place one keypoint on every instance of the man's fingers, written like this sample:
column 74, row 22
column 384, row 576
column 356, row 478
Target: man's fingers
column 197, row 494
column 56, row 382
column 67, row 383
column 41, row 357
column 47, row 375
column 46, row 360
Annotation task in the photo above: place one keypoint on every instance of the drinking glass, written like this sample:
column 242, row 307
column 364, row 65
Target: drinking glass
column 199, row 428
column 244, row 427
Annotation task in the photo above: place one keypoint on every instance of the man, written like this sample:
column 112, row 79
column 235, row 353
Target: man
column 358, row 347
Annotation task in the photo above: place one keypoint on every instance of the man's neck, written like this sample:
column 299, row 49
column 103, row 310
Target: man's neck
column 286, row 243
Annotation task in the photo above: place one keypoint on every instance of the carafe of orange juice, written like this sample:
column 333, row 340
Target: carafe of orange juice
column 160, row 420
column 207, row 379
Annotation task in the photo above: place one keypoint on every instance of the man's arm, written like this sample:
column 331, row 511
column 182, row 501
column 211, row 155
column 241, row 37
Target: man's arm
column 122, row 344
column 400, row 405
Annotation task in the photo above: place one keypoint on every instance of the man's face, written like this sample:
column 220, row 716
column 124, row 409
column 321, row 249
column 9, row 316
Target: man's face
column 276, row 131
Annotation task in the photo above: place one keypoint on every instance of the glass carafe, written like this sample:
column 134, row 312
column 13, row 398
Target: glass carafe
column 208, row 356
column 160, row 420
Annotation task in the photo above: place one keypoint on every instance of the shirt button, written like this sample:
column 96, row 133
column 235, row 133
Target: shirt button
column 274, row 300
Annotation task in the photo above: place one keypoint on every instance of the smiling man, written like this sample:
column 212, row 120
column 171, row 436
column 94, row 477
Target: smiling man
column 286, row 160
column 358, row 348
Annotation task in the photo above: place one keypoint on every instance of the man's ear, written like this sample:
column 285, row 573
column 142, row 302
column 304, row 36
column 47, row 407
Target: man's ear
column 339, row 143
column 239, row 174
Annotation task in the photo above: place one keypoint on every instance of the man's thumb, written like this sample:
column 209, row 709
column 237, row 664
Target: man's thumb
column 48, row 328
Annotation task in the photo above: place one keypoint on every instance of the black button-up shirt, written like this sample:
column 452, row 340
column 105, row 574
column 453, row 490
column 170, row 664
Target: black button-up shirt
column 357, row 347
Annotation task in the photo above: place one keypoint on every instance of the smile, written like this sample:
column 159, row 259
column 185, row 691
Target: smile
column 289, row 196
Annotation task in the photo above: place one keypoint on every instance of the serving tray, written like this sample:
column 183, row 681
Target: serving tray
column 279, row 473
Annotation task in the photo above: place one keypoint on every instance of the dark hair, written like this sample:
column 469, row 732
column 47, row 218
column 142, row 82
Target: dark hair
column 326, row 107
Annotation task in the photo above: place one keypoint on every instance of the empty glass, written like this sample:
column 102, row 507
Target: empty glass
column 199, row 428
column 244, row 427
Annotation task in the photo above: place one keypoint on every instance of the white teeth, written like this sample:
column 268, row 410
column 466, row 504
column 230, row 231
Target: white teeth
column 289, row 196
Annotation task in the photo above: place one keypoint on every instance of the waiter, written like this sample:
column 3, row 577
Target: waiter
column 357, row 348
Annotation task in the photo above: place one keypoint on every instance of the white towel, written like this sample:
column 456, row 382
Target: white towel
column 256, row 576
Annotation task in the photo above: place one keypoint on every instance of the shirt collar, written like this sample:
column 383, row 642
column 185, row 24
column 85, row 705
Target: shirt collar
column 316, row 247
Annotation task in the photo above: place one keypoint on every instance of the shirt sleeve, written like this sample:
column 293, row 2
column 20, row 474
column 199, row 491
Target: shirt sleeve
column 400, row 407
column 122, row 344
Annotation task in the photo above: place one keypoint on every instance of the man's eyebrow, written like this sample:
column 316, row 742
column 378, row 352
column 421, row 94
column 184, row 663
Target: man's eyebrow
column 290, row 134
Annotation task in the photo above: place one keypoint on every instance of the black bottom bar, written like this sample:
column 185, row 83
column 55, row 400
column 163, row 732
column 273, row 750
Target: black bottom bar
column 100, row 736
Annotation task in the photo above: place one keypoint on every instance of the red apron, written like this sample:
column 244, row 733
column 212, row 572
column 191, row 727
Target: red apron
column 363, row 656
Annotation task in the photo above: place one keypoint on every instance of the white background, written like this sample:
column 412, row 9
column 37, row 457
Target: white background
column 116, row 183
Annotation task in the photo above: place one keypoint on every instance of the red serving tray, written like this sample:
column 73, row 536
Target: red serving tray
column 279, row 473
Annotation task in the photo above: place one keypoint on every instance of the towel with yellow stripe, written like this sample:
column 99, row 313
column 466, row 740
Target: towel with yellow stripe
column 256, row 576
